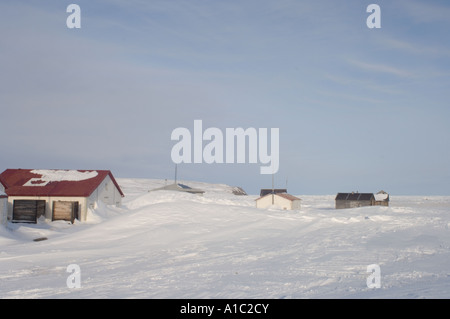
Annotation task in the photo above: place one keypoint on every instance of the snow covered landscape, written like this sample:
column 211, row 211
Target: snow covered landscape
column 168, row 244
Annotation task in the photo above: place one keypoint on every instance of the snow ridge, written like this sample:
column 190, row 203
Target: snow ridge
column 167, row 244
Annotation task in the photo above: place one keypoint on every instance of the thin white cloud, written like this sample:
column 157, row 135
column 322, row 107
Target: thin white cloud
column 367, row 85
column 421, row 49
column 425, row 11
column 381, row 68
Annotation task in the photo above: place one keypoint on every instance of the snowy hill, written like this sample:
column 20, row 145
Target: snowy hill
column 177, row 245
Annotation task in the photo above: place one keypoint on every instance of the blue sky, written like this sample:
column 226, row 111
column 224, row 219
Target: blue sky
column 358, row 109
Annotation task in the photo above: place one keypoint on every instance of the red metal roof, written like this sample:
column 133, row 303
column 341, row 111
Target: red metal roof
column 14, row 181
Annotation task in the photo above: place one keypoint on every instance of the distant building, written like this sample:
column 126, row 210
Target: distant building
column 179, row 188
column 281, row 200
column 382, row 198
column 57, row 194
column 265, row 191
column 353, row 200
column 238, row 191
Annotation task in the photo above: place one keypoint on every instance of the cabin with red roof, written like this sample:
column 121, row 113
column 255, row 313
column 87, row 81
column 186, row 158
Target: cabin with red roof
column 57, row 194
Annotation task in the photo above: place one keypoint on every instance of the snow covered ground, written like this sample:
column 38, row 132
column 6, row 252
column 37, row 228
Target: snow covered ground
column 178, row 245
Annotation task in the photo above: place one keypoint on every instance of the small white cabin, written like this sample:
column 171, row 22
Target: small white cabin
column 279, row 200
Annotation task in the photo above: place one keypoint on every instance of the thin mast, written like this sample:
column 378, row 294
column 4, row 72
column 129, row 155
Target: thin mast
column 273, row 191
column 175, row 173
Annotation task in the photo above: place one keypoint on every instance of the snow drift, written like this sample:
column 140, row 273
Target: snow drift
column 176, row 245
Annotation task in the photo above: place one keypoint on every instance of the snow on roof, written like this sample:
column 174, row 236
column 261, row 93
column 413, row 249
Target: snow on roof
column 78, row 183
column 288, row 196
column 48, row 176
column 381, row 197
column 284, row 195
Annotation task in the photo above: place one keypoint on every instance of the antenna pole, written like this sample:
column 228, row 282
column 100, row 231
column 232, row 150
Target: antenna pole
column 175, row 173
column 273, row 191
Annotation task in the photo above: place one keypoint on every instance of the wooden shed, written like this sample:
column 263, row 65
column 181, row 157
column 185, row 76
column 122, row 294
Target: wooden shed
column 354, row 199
column 57, row 194
column 280, row 200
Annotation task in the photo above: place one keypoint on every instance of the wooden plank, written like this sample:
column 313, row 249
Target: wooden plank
column 40, row 208
column 25, row 211
column 63, row 210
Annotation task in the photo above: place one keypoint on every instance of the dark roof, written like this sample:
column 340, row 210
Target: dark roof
column 355, row 196
column 265, row 191
column 25, row 182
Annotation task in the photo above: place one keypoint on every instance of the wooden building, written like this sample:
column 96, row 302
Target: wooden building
column 353, row 200
column 382, row 198
column 280, row 200
column 57, row 194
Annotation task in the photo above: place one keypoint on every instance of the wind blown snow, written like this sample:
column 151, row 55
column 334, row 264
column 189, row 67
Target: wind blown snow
column 169, row 244
column 48, row 176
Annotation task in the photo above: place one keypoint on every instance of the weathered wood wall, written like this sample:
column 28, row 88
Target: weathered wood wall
column 65, row 210
column 28, row 211
column 353, row 203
